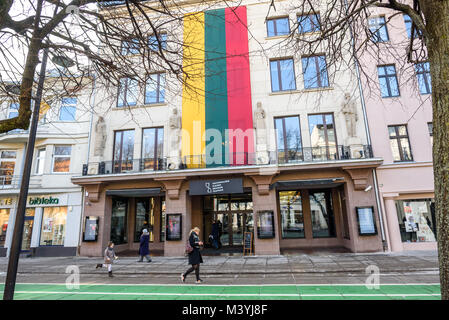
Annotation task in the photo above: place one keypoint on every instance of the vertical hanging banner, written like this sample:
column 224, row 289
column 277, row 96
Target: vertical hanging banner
column 216, row 101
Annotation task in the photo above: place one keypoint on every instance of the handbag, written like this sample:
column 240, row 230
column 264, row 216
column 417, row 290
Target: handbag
column 189, row 248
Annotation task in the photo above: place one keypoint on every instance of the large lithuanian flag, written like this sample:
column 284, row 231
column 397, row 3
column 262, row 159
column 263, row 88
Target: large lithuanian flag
column 216, row 99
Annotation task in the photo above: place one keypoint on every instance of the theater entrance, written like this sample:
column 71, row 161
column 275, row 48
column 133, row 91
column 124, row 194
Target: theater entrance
column 233, row 215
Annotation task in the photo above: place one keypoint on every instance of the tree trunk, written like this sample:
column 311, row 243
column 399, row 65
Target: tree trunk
column 436, row 13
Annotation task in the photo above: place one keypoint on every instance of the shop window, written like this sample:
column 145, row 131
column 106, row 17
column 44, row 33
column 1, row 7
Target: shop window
column 61, row 158
column 309, row 23
column 321, row 210
column 282, row 75
column 4, row 218
column 162, row 220
column 144, row 218
column 123, row 153
column 53, row 226
column 292, row 217
column 378, row 28
column 7, row 164
column 119, row 219
column 153, row 148
column 323, row 137
column 417, row 220
column 400, row 144
column 278, row 27
column 155, row 88
column 40, row 161
column 315, row 72
column 288, row 139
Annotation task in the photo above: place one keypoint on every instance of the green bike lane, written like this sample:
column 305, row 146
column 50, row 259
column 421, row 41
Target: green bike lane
column 35, row 291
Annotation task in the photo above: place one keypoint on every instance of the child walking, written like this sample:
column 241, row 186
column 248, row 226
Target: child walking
column 109, row 257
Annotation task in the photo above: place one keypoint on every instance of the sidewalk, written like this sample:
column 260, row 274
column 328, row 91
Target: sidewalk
column 344, row 263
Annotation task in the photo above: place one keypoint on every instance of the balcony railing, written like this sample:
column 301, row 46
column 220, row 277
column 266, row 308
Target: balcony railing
column 300, row 155
column 13, row 182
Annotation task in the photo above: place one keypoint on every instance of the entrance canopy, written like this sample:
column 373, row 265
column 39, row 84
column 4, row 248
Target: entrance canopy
column 310, row 184
column 148, row 192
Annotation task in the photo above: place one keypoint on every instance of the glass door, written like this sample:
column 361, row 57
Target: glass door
column 27, row 229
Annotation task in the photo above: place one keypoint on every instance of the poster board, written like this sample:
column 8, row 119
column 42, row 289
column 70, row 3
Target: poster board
column 173, row 227
column 265, row 224
column 366, row 221
column 90, row 229
column 248, row 243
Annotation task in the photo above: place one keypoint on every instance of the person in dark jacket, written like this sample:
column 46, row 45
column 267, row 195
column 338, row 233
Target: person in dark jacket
column 195, row 256
column 215, row 235
column 144, row 249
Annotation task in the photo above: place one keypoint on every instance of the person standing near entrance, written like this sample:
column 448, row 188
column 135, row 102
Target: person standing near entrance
column 215, row 235
column 144, row 249
column 109, row 257
column 195, row 257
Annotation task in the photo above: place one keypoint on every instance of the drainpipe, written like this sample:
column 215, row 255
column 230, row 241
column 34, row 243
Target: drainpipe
column 368, row 136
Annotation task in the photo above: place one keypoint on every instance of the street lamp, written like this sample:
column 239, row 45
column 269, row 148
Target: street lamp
column 16, row 242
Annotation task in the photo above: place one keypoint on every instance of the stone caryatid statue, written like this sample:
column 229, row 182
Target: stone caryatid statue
column 259, row 118
column 349, row 111
column 100, row 137
column 175, row 127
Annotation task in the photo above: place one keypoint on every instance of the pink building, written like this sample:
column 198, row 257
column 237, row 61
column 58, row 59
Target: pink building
column 399, row 112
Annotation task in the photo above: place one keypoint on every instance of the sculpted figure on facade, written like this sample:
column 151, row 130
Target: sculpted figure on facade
column 175, row 127
column 259, row 118
column 100, row 137
column 349, row 111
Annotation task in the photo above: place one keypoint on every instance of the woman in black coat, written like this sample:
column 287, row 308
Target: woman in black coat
column 195, row 256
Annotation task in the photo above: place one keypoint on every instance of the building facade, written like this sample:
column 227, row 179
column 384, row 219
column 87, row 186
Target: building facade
column 267, row 146
column 400, row 121
column 54, row 203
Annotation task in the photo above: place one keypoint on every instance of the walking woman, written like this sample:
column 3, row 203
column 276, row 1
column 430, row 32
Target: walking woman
column 195, row 256
column 109, row 257
column 144, row 249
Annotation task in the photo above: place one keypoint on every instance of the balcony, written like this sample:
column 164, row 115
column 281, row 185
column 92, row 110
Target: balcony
column 8, row 182
column 280, row 157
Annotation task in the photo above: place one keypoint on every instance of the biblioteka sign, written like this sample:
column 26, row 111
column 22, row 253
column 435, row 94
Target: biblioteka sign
column 35, row 201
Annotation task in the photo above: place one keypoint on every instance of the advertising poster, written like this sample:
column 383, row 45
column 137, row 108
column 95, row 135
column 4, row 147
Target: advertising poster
column 367, row 225
column 265, row 228
column 91, row 229
column 174, row 227
column 48, row 225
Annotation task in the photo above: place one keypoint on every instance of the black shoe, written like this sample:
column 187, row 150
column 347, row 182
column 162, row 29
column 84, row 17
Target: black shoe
column 110, row 274
column 139, row 261
column 98, row 266
column 149, row 260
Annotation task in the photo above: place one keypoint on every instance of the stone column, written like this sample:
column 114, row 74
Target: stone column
column 393, row 224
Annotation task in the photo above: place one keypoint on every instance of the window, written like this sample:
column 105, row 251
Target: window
column 144, row 218
column 417, row 221
column 388, row 81
column 408, row 25
column 291, row 214
column 155, row 88
column 127, row 94
column 40, row 161
column 53, row 226
column 282, row 75
column 130, row 47
column 424, row 79
column 323, row 137
column 61, row 158
column 4, row 219
column 13, row 110
column 119, row 218
column 288, row 139
column 309, row 23
column 315, row 72
column 153, row 148
column 399, row 142
column 154, row 44
column 321, row 210
column 378, row 28
column 430, row 127
column 278, row 27
column 7, row 164
column 67, row 111
column 123, row 154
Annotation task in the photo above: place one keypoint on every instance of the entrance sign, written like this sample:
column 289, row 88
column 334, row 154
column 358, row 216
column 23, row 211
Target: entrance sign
column 265, row 224
column 365, row 218
column 174, row 227
column 91, row 229
column 248, row 243
column 210, row 187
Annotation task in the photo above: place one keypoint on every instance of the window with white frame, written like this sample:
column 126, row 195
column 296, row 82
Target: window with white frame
column 13, row 110
column 40, row 161
column 61, row 158
column 7, row 164
column 67, row 112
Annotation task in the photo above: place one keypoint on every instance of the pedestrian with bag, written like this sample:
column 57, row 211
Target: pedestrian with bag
column 144, row 249
column 193, row 250
column 109, row 257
